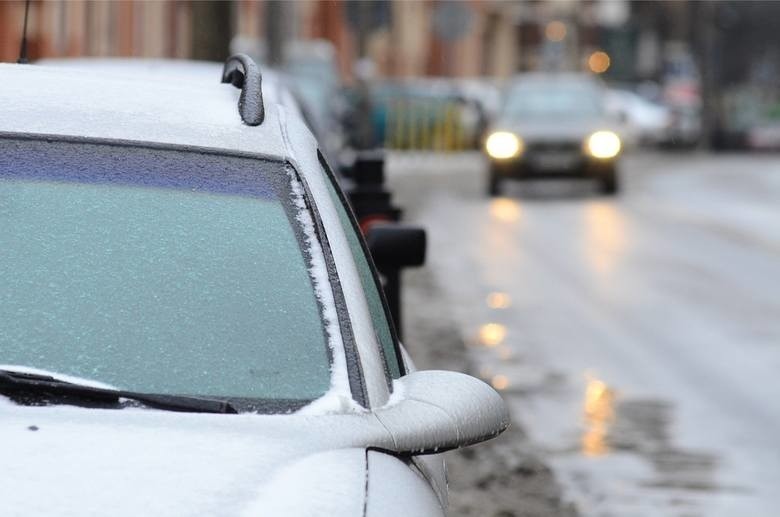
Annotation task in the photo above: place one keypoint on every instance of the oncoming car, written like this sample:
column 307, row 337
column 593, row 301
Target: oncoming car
column 190, row 323
column 553, row 126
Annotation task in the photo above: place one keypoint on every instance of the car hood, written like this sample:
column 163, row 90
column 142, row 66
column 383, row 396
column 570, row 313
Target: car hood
column 553, row 130
column 63, row 461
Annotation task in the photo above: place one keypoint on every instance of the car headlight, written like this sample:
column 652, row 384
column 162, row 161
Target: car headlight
column 503, row 144
column 603, row 144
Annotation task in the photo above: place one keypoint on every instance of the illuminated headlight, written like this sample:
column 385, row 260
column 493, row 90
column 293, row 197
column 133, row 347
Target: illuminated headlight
column 603, row 144
column 503, row 144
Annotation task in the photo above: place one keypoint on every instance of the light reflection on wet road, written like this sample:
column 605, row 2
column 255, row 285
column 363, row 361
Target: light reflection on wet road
column 637, row 339
column 605, row 238
column 598, row 414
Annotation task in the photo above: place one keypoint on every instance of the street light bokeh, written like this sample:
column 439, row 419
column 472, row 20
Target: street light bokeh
column 599, row 62
column 555, row 31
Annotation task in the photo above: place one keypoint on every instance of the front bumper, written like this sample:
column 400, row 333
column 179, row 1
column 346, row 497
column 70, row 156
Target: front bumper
column 553, row 163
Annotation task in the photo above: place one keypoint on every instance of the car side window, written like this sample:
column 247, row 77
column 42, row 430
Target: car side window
column 376, row 304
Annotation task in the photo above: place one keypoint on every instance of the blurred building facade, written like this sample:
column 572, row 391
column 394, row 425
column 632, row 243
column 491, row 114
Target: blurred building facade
column 89, row 28
column 403, row 38
column 731, row 42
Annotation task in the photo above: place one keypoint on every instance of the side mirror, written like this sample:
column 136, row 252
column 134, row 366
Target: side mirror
column 396, row 246
column 441, row 410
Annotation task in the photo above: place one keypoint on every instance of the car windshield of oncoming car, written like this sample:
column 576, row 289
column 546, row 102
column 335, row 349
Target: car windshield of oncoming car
column 551, row 100
column 159, row 271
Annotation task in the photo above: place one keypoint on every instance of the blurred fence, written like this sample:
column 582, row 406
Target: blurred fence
column 431, row 124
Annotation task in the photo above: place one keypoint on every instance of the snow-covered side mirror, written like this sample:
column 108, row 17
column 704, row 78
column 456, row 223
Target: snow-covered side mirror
column 433, row 411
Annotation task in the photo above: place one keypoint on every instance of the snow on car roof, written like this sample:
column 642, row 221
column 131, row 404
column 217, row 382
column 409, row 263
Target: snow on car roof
column 188, row 112
column 205, row 73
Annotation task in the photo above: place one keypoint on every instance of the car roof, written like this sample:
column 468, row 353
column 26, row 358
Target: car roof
column 184, row 111
column 207, row 73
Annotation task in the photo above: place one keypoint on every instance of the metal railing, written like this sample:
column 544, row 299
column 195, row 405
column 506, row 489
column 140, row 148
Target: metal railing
column 430, row 125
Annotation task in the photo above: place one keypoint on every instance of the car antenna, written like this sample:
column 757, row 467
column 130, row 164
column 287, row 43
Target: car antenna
column 23, row 49
column 244, row 74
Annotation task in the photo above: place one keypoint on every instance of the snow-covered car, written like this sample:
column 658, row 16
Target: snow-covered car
column 553, row 125
column 190, row 323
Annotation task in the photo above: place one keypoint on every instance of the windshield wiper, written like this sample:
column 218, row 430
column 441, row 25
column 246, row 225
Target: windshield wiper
column 17, row 383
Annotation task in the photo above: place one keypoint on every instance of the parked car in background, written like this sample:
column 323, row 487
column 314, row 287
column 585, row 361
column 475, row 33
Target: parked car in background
column 765, row 135
column 643, row 122
column 192, row 324
column 682, row 94
column 748, row 118
column 553, row 126
column 685, row 130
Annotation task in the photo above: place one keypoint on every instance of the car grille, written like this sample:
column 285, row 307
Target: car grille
column 558, row 147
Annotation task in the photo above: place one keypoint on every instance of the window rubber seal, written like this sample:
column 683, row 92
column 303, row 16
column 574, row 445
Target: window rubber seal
column 374, row 273
column 355, row 374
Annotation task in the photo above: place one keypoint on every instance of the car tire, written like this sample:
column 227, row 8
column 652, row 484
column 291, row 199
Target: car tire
column 494, row 184
column 609, row 184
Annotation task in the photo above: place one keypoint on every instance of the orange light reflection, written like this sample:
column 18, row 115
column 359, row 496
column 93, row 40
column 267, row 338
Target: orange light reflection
column 505, row 210
column 500, row 382
column 498, row 300
column 599, row 414
column 492, row 334
column 605, row 236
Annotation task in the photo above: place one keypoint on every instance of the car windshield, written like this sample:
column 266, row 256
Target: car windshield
column 158, row 271
column 553, row 99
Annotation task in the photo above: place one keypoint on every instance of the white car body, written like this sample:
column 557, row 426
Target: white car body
column 333, row 457
column 645, row 122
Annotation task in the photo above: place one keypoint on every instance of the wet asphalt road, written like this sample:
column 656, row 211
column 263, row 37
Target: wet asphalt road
column 636, row 339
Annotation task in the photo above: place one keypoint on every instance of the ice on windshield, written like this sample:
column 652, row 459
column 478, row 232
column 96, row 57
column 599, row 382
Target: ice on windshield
column 162, row 272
